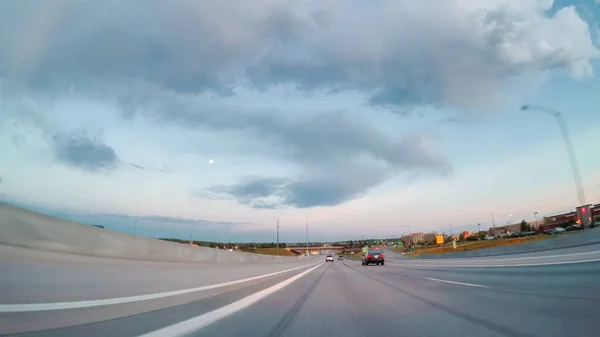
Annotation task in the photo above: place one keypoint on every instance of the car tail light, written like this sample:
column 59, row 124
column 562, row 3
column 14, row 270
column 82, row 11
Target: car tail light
column 381, row 256
column 369, row 256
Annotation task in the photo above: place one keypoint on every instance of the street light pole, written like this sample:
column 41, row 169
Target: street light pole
column 568, row 145
column 277, row 236
column 493, row 222
column 410, row 234
column 307, row 252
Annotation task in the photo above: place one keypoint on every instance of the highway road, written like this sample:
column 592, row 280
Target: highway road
column 553, row 294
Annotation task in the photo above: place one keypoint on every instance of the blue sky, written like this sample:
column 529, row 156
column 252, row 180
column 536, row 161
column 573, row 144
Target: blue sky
column 361, row 118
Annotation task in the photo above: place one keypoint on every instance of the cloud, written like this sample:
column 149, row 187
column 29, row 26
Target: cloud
column 339, row 155
column 444, row 53
column 80, row 151
column 344, row 177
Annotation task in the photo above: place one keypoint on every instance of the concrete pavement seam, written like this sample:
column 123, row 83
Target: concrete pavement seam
column 280, row 329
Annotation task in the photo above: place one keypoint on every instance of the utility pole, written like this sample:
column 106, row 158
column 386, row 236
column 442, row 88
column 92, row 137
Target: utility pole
column 307, row 252
column 478, row 228
column 493, row 222
column 277, row 236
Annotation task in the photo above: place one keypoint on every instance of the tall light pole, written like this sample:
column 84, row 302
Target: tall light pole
column 409, row 231
column 493, row 221
column 510, row 219
column 568, row 145
column 307, row 252
column 450, row 230
column 134, row 225
column 410, row 235
column 277, row 236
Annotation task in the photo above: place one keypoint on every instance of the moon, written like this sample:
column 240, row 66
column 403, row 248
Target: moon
column 210, row 161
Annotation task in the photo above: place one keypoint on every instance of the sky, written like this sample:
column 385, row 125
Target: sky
column 213, row 120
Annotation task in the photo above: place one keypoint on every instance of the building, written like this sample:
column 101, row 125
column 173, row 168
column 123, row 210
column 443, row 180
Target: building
column 418, row 237
column 501, row 230
column 559, row 220
column 429, row 237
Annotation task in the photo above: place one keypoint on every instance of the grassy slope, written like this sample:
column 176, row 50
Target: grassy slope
column 475, row 245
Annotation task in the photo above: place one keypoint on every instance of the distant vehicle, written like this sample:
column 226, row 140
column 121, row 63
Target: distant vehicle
column 340, row 257
column 556, row 230
column 373, row 256
column 575, row 228
column 99, row 226
column 528, row 233
column 489, row 237
column 329, row 258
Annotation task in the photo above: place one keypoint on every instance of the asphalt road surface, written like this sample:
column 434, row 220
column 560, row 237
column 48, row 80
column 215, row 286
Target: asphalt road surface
column 554, row 294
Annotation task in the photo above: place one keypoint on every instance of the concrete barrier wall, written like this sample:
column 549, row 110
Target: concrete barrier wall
column 24, row 228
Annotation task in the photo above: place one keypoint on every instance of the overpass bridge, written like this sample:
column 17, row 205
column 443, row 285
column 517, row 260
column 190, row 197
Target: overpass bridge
column 317, row 250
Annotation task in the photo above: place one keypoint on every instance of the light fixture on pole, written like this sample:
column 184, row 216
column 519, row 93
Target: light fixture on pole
column 568, row 145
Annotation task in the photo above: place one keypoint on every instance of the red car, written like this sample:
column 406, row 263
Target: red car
column 374, row 256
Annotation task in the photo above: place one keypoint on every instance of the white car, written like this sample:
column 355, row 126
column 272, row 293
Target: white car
column 329, row 258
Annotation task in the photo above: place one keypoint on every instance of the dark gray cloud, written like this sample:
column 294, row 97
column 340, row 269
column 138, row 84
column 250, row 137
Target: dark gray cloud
column 345, row 175
column 138, row 166
column 83, row 152
column 341, row 155
column 191, row 47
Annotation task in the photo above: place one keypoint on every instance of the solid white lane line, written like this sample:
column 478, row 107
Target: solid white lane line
column 129, row 299
column 199, row 322
column 492, row 265
column 457, row 283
